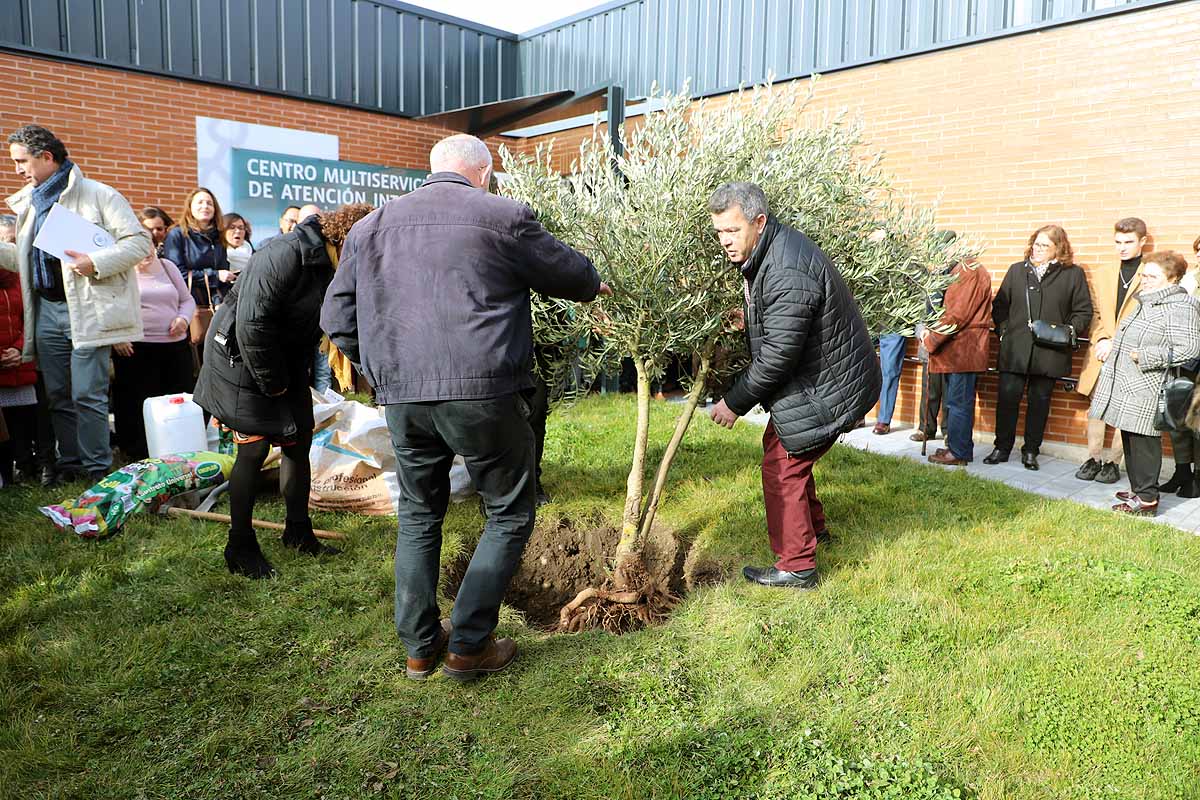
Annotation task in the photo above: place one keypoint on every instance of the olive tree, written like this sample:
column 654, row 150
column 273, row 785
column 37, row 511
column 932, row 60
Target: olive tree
column 642, row 217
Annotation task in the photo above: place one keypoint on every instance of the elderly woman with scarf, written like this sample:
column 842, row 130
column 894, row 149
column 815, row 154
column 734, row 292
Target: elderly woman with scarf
column 1163, row 332
column 257, row 371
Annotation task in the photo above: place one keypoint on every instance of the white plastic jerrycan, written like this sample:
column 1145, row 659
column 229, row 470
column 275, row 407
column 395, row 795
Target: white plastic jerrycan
column 174, row 424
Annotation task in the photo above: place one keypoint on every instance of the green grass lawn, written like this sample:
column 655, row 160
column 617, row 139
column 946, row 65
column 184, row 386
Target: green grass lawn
column 969, row 640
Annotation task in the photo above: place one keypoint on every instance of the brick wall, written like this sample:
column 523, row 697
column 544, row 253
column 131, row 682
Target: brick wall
column 137, row 132
column 1078, row 125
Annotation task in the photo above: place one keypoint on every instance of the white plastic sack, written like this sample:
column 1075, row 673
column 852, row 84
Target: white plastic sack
column 353, row 464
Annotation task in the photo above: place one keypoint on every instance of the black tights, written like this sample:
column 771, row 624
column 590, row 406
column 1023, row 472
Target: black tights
column 295, row 478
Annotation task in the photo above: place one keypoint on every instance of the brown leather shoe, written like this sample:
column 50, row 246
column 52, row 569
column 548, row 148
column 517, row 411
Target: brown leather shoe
column 947, row 459
column 881, row 429
column 919, row 436
column 418, row 669
column 495, row 656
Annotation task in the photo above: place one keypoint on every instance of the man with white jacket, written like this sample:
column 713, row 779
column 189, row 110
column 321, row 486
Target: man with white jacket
column 74, row 310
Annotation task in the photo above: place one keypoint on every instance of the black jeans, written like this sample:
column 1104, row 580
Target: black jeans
column 1037, row 410
column 1143, row 463
column 539, row 410
column 933, row 403
column 154, row 369
column 494, row 438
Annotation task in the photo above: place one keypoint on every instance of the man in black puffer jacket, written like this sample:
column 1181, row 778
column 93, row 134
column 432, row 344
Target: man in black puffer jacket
column 431, row 301
column 813, row 367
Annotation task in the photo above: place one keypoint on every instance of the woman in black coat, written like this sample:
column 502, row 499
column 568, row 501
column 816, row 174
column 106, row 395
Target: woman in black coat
column 1045, row 286
column 256, row 374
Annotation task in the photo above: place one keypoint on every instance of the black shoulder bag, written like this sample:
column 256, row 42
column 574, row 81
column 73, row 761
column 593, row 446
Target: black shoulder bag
column 1174, row 397
column 1048, row 334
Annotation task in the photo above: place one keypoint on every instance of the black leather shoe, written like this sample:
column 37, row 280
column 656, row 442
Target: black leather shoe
column 997, row 456
column 1029, row 461
column 806, row 579
column 1181, row 478
column 1190, row 489
column 1088, row 470
column 752, row 574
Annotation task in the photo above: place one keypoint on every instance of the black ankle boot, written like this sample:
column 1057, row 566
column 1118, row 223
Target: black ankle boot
column 1189, row 489
column 300, row 536
column 1181, row 478
column 243, row 556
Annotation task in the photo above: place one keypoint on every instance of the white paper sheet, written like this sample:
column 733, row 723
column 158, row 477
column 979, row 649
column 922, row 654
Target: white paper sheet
column 65, row 230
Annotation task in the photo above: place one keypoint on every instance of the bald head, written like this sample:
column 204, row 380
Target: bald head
column 307, row 211
column 464, row 154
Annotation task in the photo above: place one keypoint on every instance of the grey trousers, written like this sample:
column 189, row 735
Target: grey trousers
column 494, row 438
column 76, row 389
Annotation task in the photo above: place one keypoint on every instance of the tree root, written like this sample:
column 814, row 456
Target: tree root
column 631, row 600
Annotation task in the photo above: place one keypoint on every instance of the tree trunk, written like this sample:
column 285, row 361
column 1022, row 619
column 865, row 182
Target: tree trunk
column 681, row 426
column 629, row 548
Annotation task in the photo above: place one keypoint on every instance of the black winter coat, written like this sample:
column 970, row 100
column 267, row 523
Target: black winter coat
column 200, row 256
column 1062, row 297
column 431, row 299
column 813, row 366
column 262, row 338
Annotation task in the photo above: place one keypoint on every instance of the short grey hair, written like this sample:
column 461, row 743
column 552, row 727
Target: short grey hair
column 749, row 197
column 462, row 149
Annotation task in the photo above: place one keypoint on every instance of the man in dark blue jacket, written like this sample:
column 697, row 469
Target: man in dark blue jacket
column 431, row 303
column 812, row 366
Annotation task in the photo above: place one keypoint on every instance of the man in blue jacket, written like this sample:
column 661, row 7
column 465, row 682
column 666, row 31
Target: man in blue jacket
column 812, row 366
column 431, row 303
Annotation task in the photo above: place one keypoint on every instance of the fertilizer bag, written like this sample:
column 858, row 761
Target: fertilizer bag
column 146, row 484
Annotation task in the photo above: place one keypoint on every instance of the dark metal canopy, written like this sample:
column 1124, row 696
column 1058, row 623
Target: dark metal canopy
column 520, row 112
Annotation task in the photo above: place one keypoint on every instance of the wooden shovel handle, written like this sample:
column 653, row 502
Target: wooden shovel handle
column 212, row 516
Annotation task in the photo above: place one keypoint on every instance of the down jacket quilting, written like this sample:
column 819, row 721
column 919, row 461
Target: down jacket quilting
column 262, row 338
column 812, row 363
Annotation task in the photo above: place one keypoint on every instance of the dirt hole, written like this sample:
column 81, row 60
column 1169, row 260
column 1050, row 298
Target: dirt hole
column 563, row 558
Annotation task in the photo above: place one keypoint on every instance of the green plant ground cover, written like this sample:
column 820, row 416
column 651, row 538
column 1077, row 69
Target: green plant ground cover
column 969, row 640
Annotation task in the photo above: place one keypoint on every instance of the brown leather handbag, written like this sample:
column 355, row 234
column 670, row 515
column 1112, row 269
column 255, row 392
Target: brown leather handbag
column 203, row 316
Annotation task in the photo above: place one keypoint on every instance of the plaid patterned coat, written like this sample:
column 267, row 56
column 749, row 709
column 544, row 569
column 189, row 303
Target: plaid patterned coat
column 1126, row 394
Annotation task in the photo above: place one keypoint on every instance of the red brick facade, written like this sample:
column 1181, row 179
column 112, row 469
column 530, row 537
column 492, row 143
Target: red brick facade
column 137, row 132
column 1078, row 125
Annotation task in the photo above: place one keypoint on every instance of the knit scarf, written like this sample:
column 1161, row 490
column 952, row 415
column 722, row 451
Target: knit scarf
column 44, row 196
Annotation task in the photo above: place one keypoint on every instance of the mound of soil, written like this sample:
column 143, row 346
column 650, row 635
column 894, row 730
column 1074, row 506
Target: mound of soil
column 562, row 559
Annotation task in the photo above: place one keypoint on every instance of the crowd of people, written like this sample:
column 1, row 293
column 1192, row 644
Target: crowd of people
column 428, row 297
column 1140, row 319
column 114, row 328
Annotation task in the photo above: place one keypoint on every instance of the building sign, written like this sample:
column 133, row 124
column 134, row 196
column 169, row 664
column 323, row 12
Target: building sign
column 264, row 184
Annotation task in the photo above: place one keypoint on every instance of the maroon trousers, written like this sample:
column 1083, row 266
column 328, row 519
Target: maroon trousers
column 794, row 514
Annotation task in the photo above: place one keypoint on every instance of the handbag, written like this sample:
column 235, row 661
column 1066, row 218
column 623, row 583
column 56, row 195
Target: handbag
column 1174, row 398
column 202, row 318
column 1048, row 334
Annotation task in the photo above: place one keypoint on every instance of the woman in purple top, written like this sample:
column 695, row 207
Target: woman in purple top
column 161, row 363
